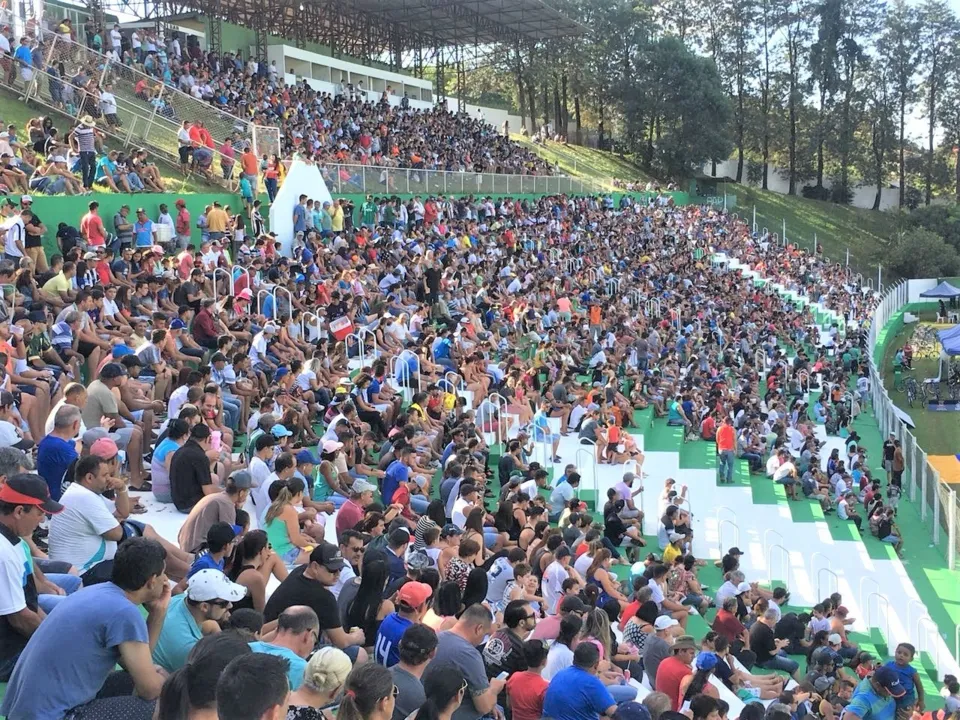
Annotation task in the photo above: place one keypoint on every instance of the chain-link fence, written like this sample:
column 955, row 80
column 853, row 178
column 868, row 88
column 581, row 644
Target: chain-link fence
column 347, row 179
column 143, row 93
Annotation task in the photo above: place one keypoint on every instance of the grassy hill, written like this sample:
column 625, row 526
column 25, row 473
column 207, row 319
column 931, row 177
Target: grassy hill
column 597, row 165
column 865, row 232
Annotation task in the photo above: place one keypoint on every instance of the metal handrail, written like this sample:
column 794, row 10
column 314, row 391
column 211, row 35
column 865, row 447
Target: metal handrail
column 276, row 305
column 925, row 636
column 766, row 547
column 500, row 403
column 653, row 308
column 786, row 563
column 736, row 533
column 836, row 579
column 303, row 324
column 886, row 614
column 913, row 602
column 361, row 332
column 613, row 286
column 724, row 508
column 259, row 298
column 813, row 566
column 588, row 447
column 229, row 279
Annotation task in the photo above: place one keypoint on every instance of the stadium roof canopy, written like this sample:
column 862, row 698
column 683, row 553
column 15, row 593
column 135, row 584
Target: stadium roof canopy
column 462, row 22
column 371, row 28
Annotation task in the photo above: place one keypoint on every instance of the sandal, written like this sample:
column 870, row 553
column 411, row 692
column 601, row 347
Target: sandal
column 145, row 486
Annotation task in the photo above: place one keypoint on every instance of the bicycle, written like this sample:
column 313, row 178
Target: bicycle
column 911, row 390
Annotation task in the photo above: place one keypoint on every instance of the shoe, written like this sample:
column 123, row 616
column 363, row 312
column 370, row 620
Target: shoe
column 556, row 458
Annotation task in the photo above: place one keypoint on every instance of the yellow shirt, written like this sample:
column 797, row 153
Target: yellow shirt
column 57, row 284
column 670, row 554
column 217, row 220
column 336, row 219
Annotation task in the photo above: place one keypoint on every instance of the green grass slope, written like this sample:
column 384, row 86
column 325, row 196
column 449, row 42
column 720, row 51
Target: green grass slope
column 599, row 166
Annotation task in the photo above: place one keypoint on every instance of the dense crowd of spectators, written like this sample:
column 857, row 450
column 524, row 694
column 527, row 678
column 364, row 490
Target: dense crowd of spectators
column 349, row 126
column 466, row 580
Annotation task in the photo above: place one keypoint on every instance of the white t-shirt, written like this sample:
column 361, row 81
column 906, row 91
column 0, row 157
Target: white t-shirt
column 261, row 496
column 553, row 578
column 12, row 569
column 259, row 472
column 461, row 508
column 788, row 468
column 8, row 434
column 48, row 427
column 305, row 378
column 346, row 575
column 76, row 533
column 258, row 348
column 108, row 103
column 582, row 563
column 115, row 39
column 559, row 658
column 497, row 578
column 178, row 399
column 529, row 487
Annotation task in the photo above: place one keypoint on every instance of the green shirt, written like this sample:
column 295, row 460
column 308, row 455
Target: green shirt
column 368, row 213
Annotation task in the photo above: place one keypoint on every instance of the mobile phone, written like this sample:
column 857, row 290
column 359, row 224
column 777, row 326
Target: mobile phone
column 503, row 676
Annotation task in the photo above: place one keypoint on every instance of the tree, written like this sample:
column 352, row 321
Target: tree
column 919, row 253
column 688, row 113
column 880, row 130
column 938, row 31
column 899, row 47
column 824, row 67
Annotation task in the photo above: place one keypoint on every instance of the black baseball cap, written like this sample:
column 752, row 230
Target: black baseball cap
column 112, row 370
column 29, row 489
column 328, row 555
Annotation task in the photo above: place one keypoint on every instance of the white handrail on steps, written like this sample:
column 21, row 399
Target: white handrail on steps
column 766, row 545
column 588, row 449
column 930, row 627
column 785, row 555
column 886, row 615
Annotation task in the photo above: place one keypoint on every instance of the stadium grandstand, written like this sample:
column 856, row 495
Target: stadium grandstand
column 385, row 417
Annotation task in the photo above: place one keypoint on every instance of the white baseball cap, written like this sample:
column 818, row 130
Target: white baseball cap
column 664, row 622
column 207, row 585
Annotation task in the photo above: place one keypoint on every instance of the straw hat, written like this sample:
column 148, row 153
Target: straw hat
column 87, row 121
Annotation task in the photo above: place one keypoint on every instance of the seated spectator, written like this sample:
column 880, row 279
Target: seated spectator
column 105, row 627
column 197, row 612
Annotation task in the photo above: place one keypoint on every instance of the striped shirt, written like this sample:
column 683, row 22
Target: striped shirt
column 85, row 138
column 62, row 336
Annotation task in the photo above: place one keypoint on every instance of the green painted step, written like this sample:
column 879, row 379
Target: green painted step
column 698, row 455
column 663, row 438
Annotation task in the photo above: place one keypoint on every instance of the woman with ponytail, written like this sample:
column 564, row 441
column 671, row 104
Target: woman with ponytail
column 190, row 693
column 282, row 523
column 444, row 686
column 323, row 680
column 368, row 694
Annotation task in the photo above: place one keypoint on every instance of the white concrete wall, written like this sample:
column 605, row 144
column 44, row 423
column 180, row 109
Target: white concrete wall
column 915, row 287
column 778, row 182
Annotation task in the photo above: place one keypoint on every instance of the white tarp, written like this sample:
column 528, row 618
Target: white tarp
column 302, row 179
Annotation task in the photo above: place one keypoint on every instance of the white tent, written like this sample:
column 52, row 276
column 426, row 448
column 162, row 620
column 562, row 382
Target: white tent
column 302, row 179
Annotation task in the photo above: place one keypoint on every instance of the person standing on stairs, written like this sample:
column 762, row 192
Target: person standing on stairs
column 726, row 449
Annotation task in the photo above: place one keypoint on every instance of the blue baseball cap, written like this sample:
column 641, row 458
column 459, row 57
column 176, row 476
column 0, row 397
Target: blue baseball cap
column 281, row 372
column 305, row 456
column 279, row 431
column 706, row 660
column 177, row 324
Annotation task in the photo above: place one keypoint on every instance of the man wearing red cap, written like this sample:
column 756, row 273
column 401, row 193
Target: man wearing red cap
column 24, row 499
column 411, row 605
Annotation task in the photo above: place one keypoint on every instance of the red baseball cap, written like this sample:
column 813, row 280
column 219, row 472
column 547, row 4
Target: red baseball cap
column 29, row 489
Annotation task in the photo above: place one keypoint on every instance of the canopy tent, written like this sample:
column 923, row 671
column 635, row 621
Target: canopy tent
column 302, row 179
column 943, row 290
column 951, row 344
